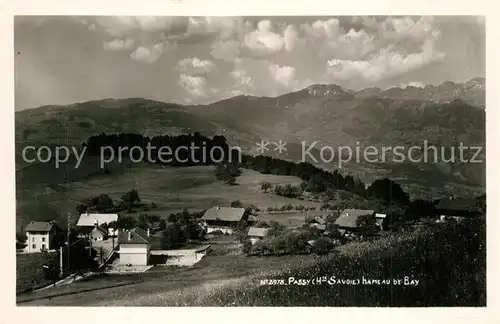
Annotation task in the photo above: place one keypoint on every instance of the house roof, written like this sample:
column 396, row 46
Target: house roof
column 92, row 219
column 229, row 214
column 252, row 218
column 137, row 236
column 461, row 204
column 257, row 231
column 321, row 227
column 87, row 230
column 40, row 226
column 348, row 217
column 203, row 248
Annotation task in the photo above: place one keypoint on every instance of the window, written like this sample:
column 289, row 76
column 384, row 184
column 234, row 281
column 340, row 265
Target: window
column 43, row 239
column 33, row 239
column 43, row 246
column 34, row 246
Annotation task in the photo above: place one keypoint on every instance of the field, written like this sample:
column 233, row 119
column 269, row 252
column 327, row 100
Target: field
column 43, row 192
column 160, row 283
column 447, row 260
column 29, row 269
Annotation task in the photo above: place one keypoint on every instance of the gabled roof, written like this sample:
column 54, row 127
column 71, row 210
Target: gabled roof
column 321, row 227
column 348, row 217
column 133, row 236
column 93, row 219
column 317, row 219
column 40, row 226
column 87, row 230
column 229, row 214
column 460, row 204
column 252, row 218
column 257, row 231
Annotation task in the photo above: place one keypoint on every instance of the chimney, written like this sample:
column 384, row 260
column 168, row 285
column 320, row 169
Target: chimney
column 129, row 235
column 148, row 232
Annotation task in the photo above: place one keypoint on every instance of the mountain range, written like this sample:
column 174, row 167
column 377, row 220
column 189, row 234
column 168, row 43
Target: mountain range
column 443, row 115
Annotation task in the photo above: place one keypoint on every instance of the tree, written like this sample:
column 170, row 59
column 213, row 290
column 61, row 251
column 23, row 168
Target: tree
column 247, row 247
column 275, row 228
column 123, row 222
column 265, row 186
column 81, row 208
column 262, row 224
column 162, row 225
column 367, row 225
column 237, row 204
column 130, row 198
column 323, row 245
column 104, row 203
column 172, row 236
column 388, row 191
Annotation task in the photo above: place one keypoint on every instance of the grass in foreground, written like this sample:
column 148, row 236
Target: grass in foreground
column 448, row 260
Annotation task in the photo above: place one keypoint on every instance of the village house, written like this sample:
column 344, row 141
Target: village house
column 318, row 222
column 256, row 234
column 42, row 236
column 457, row 209
column 95, row 233
column 87, row 222
column 134, row 247
column 347, row 221
column 223, row 219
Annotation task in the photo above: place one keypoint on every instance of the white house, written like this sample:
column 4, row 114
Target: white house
column 222, row 219
column 256, row 234
column 41, row 236
column 95, row 233
column 100, row 220
column 134, row 247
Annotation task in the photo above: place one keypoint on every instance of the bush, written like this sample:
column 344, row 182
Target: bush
column 449, row 260
column 265, row 187
column 323, row 246
column 236, row 204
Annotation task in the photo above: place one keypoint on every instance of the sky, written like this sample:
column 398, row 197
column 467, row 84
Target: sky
column 198, row 60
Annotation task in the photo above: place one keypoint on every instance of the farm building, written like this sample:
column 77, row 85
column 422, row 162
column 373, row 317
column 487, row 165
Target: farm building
column 318, row 222
column 457, row 208
column 134, row 247
column 252, row 220
column 101, row 220
column 223, row 219
column 95, row 234
column 42, row 236
column 348, row 218
column 256, row 234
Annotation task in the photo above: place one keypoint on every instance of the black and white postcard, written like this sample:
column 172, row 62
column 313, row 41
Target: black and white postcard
column 250, row 160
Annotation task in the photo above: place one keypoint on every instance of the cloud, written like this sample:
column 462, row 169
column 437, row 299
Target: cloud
column 196, row 86
column 226, row 50
column 148, row 54
column 387, row 63
column 263, row 40
column 195, row 66
column 291, row 37
column 119, row 44
column 283, row 75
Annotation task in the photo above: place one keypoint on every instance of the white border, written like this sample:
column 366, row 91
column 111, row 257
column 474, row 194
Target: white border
column 12, row 314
